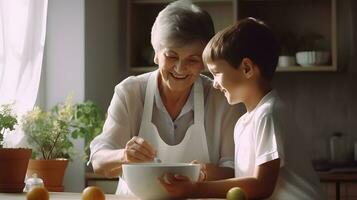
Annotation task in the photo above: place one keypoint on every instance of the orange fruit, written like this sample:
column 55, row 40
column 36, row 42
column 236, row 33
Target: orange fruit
column 93, row 193
column 38, row 193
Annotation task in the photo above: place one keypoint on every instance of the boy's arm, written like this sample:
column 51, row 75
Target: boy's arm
column 215, row 172
column 259, row 186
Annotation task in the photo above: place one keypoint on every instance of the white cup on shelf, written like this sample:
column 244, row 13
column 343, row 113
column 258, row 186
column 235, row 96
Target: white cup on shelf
column 286, row 61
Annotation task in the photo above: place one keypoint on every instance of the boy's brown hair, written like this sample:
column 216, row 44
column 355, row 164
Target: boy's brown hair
column 248, row 38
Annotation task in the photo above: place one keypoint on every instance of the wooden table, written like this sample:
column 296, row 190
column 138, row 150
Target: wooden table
column 59, row 196
column 64, row 196
column 338, row 176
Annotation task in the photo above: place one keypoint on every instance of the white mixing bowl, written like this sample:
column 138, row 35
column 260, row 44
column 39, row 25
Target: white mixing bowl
column 142, row 179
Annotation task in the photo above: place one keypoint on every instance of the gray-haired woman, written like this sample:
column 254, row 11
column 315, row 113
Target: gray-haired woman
column 173, row 113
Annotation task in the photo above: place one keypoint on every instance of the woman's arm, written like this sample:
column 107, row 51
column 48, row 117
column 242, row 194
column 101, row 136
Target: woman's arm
column 108, row 162
column 117, row 144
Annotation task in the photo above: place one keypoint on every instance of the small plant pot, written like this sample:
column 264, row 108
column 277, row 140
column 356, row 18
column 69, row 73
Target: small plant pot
column 50, row 171
column 13, row 165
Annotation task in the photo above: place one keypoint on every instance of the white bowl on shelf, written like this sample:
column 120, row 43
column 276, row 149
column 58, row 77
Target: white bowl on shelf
column 142, row 179
column 312, row 58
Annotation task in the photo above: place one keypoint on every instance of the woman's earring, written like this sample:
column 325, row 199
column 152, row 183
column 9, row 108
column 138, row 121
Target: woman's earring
column 156, row 59
column 215, row 84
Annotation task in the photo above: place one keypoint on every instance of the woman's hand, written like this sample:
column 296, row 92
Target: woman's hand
column 203, row 170
column 138, row 150
column 178, row 186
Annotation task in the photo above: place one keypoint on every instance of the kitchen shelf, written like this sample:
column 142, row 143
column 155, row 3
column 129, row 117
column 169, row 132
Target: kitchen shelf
column 309, row 25
column 322, row 68
column 139, row 70
column 301, row 17
column 168, row 1
column 142, row 69
column 141, row 16
column 284, row 1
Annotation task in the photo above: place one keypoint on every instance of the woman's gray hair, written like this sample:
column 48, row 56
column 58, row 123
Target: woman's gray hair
column 180, row 23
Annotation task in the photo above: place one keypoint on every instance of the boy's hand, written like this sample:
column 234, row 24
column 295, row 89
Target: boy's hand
column 178, row 186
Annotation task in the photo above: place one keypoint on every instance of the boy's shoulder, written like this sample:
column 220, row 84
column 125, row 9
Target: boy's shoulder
column 269, row 105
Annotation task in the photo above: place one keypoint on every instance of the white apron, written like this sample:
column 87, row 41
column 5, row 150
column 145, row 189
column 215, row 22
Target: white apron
column 192, row 147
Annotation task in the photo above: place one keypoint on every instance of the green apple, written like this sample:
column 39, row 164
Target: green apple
column 236, row 193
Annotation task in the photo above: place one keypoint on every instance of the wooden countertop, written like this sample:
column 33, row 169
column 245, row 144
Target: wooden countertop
column 338, row 173
column 341, row 176
column 65, row 196
column 59, row 196
column 93, row 176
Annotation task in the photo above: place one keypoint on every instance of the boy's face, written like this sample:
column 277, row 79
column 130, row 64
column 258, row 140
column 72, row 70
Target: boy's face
column 229, row 80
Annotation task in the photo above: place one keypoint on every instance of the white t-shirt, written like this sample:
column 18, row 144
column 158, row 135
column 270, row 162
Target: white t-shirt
column 126, row 108
column 267, row 133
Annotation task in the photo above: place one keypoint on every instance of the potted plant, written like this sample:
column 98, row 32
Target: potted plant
column 48, row 133
column 89, row 121
column 51, row 133
column 288, row 47
column 13, row 161
column 312, row 42
column 313, row 51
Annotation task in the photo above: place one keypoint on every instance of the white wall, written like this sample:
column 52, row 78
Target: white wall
column 64, row 69
column 324, row 103
column 105, row 49
column 85, row 55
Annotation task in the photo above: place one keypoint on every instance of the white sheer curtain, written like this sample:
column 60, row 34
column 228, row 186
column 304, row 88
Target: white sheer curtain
column 22, row 39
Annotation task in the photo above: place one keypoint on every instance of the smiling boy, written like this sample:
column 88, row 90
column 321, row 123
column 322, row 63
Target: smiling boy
column 269, row 159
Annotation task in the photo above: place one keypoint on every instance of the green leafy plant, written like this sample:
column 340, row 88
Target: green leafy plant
column 312, row 42
column 7, row 121
column 288, row 43
column 89, row 121
column 50, row 133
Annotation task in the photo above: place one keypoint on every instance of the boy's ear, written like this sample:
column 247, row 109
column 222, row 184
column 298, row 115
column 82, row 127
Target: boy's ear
column 156, row 59
column 248, row 67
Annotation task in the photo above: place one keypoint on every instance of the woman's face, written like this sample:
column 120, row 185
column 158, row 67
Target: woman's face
column 180, row 67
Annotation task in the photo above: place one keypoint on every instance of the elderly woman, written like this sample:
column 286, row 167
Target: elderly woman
column 173, row 113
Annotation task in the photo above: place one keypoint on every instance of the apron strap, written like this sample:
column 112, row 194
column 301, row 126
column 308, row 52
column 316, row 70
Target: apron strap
column 149, row 97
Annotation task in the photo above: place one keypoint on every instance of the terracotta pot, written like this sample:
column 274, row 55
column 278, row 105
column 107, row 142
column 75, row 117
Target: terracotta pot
column 50, row 171
column 13, row 165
